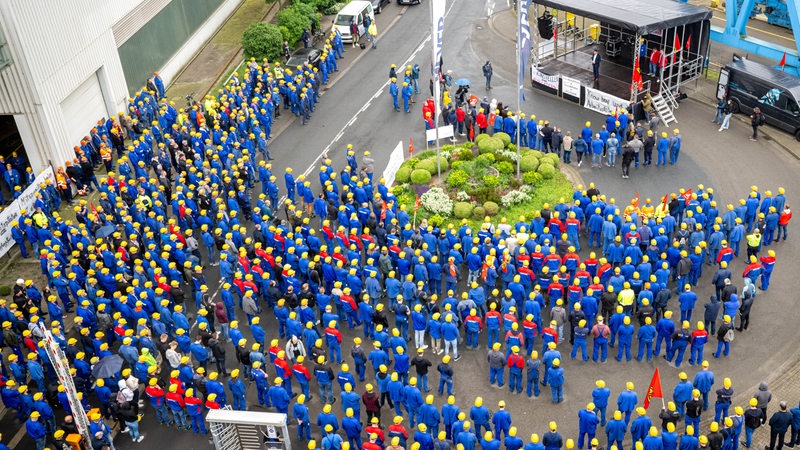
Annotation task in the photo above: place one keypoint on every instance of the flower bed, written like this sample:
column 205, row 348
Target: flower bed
column 479, row 180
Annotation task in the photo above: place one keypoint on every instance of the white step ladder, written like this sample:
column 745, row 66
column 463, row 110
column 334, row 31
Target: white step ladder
column 665, row 103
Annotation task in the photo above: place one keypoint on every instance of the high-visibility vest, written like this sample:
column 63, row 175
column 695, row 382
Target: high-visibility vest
column 753, row 240
column 105, row 153
column 61, row 180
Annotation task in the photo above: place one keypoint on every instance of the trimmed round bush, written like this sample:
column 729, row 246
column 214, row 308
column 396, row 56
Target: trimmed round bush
column 490, row 145
column 481, row 137
column 478, row 213
column 421, row 176
column 445, row 164
column 545, row 169
column 552, row 157
column 403, row 175
column 503, row 137
column 528, row 163
column 536, row 153
column 462, row 210
column 426, row 164
column 457, row 178
column 505, row 167
column 491, row 208
column 531, row 178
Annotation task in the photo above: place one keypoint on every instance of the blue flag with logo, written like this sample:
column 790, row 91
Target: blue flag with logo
column 524, row 42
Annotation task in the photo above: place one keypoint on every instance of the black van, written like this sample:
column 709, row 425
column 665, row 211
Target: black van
column 750, row 84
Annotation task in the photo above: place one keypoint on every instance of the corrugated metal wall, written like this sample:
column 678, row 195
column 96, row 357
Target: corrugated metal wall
column 51, row 59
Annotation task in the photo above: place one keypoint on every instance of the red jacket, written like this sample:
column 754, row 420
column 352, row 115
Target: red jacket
column 480, row 119
column 514, row 360
column 786, row 216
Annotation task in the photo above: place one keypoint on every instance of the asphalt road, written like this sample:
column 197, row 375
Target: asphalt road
column 357, row 110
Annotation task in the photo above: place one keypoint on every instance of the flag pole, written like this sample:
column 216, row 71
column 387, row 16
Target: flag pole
column 519, row 82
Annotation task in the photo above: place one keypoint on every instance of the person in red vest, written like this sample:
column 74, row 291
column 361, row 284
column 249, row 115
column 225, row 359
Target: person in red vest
column 194, row 407
column 158, row 400
column 783, row 221
column 211, row 402
column 515, row 365
column 372, row 444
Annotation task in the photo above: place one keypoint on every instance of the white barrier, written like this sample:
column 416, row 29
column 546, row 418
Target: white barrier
column 12, row 211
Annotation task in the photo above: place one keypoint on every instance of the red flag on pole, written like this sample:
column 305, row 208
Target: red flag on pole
column 654, row 390
column 664, row 200
column 417, row 204
column 410, row 146
column 637, row 76
column 555, row 34
column 783, row 61
column 676, row 47
column 636, row 200
column 689, row 43
column 471, row 132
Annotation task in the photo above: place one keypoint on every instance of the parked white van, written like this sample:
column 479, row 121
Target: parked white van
column 355, row 10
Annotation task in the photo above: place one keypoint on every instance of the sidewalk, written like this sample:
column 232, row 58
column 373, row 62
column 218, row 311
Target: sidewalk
column 704, row 91
column 221, row 53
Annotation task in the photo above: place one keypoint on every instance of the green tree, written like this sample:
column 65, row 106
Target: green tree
column 262, row 40
column 295, row 19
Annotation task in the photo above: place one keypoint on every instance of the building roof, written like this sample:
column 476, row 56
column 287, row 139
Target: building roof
column 641, row 16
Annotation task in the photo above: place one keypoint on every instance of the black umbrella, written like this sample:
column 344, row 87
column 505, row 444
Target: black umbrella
column 105, row 231
column 107, row 367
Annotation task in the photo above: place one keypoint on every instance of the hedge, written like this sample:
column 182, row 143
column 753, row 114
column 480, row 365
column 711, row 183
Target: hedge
column 294, row 19
column 420, row 176
column 262, row 40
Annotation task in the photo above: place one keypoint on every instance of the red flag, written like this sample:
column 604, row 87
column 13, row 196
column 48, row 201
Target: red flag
column 637, row 76
column 94, row 210
column 687, row 196
column 654, row 390
column 664, row 200
column 676, row 48
column 471, row 132
column 783, row 60
column 410, row 146
column 636, row 200
column 417, row 204
column 616, row 112
column 555, row 34
column 689, row 42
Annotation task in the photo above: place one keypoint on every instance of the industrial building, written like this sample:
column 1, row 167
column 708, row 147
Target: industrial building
column 66, row 65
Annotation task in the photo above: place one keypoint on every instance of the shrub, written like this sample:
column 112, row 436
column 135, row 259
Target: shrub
column 536, row 153
column 421, row 176
column 444, row 163
column 462, row 210
column 5, row 290
column 462, row 196
column 294, row 20
column 403, row 175
column 478, row 213
column 262, row 40
column 435, row 220
column 436, row 201
column 514, row 198
column 490, row 145
column 486, row 194
column 547, row 170
column 457, row 178
column 491, row 181
column 512, row 148
column 430, row 153
column 465, row 154
column 528, row 163
column 485, row 160
column 411, row 163
column 505, row 167
column 503, row 137
column 320, row 5
column 426, row 164
column 481, row 137
column 491, row 208
column 552, row 158
column 531, row 178
column 457, row 164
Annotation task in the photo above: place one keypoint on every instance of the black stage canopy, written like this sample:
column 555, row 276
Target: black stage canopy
column 639, row 16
